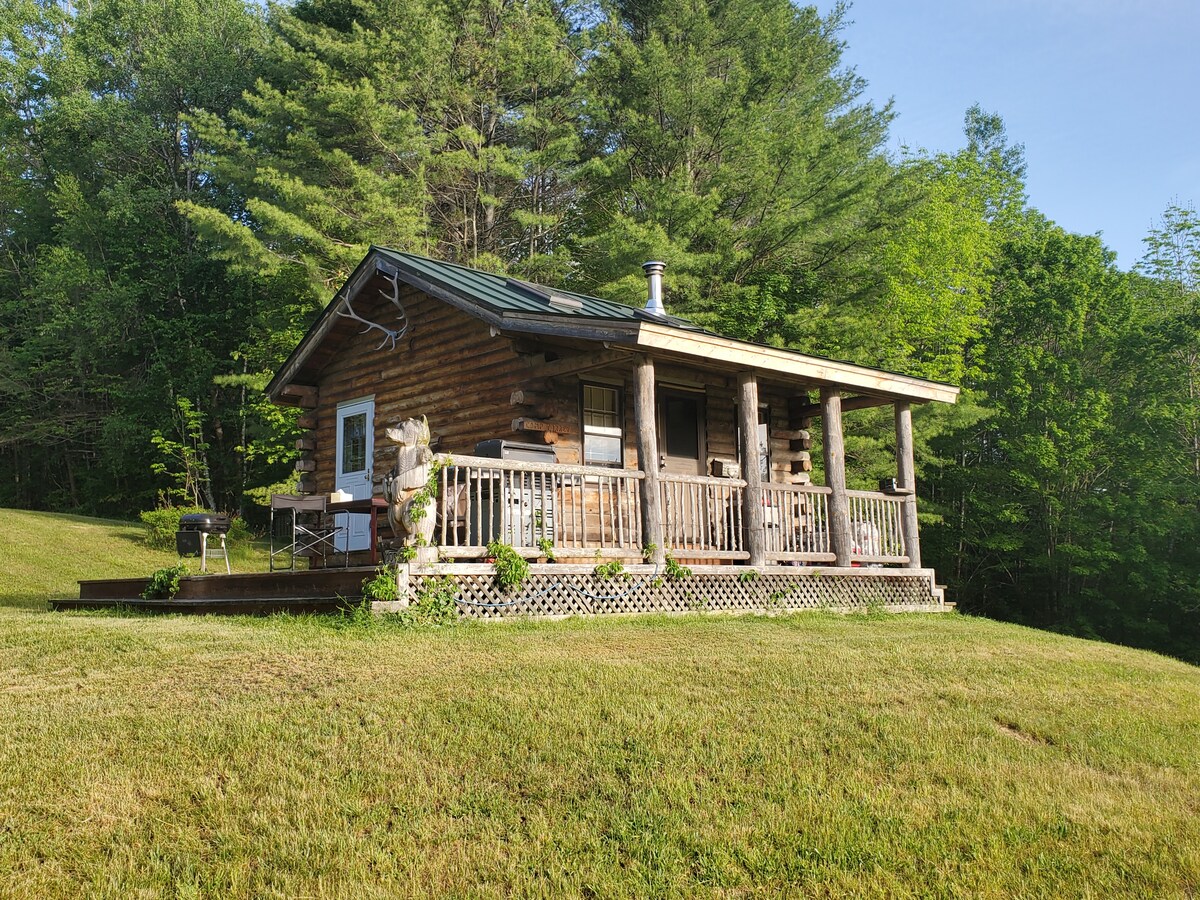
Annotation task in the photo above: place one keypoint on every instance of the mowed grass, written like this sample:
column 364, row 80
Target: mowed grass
column 811, row 755
column 44, row 555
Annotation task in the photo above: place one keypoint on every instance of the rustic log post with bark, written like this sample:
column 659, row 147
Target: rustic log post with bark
column 646, row 426
column 756, row 534
column 834, row 451
column 906, row 481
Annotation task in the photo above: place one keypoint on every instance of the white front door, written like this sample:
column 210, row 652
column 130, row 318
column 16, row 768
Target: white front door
column 355, row 454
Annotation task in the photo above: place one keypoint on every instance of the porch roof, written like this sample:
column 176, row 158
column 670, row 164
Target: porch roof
column 514, row 306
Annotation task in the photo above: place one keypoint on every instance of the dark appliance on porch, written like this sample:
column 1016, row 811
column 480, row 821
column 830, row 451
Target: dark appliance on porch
column 517, row 507
column 191, row 540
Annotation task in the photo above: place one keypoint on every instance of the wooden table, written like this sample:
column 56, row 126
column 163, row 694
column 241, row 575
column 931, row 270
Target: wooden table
column 370, row 506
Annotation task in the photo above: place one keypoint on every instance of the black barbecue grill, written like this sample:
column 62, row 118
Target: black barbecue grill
column 192, row 537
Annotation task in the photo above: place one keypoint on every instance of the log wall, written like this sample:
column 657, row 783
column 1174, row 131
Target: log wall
column 475, row 386
column 448, row 367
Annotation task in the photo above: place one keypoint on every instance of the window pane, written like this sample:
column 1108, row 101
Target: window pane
column 354, row 443
column 601, row 450
column 602, row 434
column 600, row 406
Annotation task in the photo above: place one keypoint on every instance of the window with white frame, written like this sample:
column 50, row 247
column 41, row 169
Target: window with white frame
column 603, row 437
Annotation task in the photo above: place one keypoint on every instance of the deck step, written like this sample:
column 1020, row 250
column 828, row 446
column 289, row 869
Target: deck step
column 242, row 606
column 316, row 584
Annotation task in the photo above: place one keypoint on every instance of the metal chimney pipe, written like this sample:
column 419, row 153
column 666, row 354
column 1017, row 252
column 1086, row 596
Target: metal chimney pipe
column 654, row 301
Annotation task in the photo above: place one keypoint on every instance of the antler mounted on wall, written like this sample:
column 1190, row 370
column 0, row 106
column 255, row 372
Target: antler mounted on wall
column 390, row 335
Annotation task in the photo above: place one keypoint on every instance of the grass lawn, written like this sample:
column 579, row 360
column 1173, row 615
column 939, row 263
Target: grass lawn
column 44, row 555
column 816, row 755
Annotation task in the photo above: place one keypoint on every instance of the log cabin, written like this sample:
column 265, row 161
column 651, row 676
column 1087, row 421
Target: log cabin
column 569, row 426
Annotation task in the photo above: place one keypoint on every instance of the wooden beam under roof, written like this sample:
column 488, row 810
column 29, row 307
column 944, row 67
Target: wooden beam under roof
column 580, row 363
column 813, row 410
column 697, row 345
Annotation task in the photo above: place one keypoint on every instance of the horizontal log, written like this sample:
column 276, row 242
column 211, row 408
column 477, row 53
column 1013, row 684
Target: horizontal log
column 793, row 455
column 308, row 420
column 801, row 465
column 306, row 443
column 306, row 465
column 581, row 363
column 302, row 395
column 527, row 397
column 791, row 434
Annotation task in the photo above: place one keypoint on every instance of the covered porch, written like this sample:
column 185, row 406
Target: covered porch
column 682, row 499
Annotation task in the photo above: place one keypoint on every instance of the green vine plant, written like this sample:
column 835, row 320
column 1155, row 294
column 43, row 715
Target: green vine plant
column 674, row 571
column 382, row 586
column 434, row 605
column 511, row 568
column 419, row 505
column 164, row 583
column 547, row 547
column 649, row 550
column 610, row 570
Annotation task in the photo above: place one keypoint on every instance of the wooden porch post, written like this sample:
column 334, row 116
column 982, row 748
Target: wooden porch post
column 752, row 508
column 645, row 417
column 906, row 481
column 833, row 448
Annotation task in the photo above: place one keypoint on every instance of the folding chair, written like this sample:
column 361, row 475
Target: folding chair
column 309, row 533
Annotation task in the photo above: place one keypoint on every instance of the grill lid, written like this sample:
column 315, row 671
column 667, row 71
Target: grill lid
column 210, row 523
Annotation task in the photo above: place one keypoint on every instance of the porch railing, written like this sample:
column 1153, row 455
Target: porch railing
column 579, row 509
column 797, row 522
column 584, row 511
column 702, row 516
column 876, row 533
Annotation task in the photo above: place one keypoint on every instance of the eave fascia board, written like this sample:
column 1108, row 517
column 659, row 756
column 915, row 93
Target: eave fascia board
column 317, row 332
column 608, row 331
column 801, row 367
column 373, row 263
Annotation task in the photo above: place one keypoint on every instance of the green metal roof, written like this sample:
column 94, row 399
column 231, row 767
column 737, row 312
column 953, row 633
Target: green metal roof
column 509, row 295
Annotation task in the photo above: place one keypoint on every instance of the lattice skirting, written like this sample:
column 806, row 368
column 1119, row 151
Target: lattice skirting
column 574, row 590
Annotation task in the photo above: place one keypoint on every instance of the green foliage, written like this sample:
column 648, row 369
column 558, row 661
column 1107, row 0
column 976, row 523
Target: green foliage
column 383, row 585
column 184, row 460
column 511, row 568
column 164, row 583
column 422, row 499
column 547, row 547
column 435, row 605
column 610, row 571
column 162, row 523
column 674, row 571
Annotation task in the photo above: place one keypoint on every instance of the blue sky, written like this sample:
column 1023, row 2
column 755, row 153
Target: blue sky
column 1104, row 94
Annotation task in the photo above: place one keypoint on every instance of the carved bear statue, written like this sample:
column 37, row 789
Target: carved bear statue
column 411, row 508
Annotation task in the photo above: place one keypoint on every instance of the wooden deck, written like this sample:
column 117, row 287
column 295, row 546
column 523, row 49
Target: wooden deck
column 263, row 593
